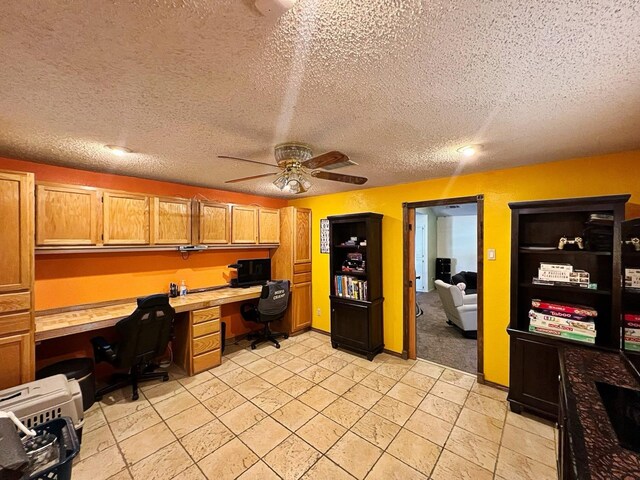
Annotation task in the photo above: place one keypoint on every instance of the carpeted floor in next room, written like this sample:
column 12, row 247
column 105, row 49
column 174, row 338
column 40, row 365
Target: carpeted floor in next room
column 439, row 342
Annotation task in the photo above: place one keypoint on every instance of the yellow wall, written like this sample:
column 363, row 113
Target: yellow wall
column 603, row 175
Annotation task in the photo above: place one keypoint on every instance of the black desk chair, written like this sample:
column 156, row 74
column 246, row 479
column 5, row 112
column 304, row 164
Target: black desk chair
column 144, row 335
column 274, row 300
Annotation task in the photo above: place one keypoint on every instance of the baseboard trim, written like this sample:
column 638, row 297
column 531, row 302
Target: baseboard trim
column 384, row 350
column 317, row 330
column 480, row 378
column 394, row 354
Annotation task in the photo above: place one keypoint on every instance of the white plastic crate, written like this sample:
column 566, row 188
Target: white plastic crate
column 37, row 402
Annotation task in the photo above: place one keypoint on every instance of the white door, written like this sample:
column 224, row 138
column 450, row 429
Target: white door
column 421, row 258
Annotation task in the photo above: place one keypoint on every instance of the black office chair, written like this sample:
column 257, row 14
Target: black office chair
column 144, row 335
column 274, row 300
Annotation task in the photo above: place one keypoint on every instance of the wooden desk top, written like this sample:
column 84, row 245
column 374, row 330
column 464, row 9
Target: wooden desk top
column 67, row 323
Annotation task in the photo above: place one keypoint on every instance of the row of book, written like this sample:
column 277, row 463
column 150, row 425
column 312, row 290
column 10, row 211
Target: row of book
column 350, row 287
column 632, row 279
column 561, row 274
column 563, row 320
column 632, row 331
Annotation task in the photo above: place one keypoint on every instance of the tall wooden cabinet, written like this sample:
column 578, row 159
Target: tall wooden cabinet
column 536, row 230
column 292, row 261
column 356, row 282
column 16, row 278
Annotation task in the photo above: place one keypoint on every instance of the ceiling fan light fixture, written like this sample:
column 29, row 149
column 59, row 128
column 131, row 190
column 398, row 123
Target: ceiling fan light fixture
column 294, row 186
column 306, row 184
column 281, row 181
column 292, row 151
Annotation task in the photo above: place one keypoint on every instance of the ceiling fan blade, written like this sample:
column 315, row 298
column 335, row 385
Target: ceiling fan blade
column 338, row 177
column 236, row 180
column 328, row 161
column 247, row 160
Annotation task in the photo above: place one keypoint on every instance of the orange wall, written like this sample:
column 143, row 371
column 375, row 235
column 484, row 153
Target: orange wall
column 63, row 280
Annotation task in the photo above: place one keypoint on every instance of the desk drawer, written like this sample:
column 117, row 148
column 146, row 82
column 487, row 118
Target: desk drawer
column 301, row 277
column 205, row 314
column 17, row 322
column 206, row 361
column 206, row 343
column 14, row 302
column 301, row 267
column 206, row 328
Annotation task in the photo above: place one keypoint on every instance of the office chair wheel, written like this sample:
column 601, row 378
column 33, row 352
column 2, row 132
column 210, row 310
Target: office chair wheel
column 277, row 345
column 165, row 378
column 286, row 335
column 253, row 347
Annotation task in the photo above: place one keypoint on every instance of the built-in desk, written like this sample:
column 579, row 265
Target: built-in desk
column 83, row 319
column 197, row 338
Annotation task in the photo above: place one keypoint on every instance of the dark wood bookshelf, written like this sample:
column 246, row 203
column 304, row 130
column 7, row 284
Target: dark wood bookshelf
column 534, row 361
column 356, row 323
column 630, row 296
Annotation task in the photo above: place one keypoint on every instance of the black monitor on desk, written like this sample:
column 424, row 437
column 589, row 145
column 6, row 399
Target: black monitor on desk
column 256, row 271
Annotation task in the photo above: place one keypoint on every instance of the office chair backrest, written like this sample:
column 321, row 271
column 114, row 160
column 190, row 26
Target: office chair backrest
column 274, row 300
column 145, row 333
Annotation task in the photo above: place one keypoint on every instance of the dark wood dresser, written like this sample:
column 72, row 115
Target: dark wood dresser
column 588, row 446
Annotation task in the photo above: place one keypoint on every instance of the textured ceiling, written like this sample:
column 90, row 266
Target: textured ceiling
column 397, row 85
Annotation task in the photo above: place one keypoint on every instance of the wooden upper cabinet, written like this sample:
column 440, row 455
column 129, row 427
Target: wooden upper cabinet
column 268, row 225
column 214, row 223
column 66, row 215
column 244, row 224
column 16, row 231
column 171, row 221
column 302, row 236
column 126, row 219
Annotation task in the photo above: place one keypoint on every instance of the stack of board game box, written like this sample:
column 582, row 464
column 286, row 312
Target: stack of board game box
column 561, row 274
column 632, row 331
column 574, row 322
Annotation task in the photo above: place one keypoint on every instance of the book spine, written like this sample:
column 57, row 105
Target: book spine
column 632, row 317
column 558, row 307
column 562, row 334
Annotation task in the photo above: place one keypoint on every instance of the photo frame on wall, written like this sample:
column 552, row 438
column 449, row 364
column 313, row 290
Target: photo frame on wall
column 324, row 235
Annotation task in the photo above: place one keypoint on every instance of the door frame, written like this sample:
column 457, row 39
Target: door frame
column 425, row 270
column 408, row 271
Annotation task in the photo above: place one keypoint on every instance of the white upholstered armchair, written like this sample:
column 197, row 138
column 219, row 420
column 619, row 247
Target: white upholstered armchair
column 461, row 309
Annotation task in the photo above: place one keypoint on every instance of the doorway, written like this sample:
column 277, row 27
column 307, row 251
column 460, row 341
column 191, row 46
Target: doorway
column 443, row 245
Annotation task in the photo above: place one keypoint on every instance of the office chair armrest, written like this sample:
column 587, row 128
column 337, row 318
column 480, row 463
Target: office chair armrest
column 103, row 350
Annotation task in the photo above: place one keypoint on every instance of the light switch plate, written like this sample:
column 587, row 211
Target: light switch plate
column 491, row 254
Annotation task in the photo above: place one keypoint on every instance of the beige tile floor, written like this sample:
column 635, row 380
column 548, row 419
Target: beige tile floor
column 309, row 411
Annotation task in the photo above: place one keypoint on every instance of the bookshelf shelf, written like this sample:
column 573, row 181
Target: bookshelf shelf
column 563, row 253
column 534, row 363
column 353, row 274
column 356, row 297
column 567, row 289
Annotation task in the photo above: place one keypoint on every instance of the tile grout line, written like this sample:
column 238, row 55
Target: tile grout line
column 322, row 349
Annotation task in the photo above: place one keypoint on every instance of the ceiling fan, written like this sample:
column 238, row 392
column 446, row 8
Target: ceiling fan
column 297, row 164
